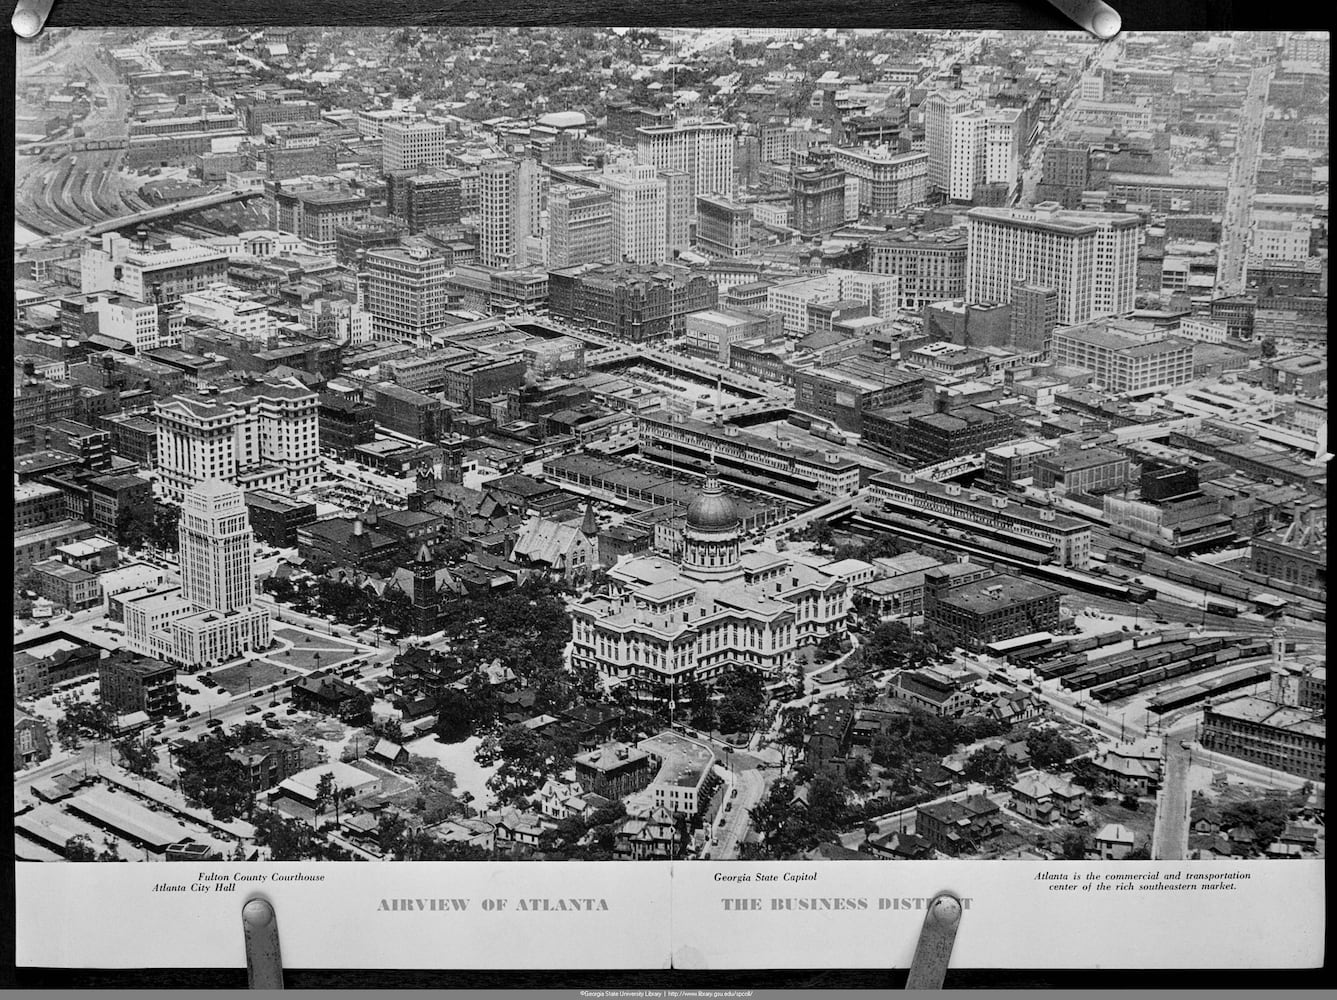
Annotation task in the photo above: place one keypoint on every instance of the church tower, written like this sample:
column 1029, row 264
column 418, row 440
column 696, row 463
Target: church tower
column 426, row 608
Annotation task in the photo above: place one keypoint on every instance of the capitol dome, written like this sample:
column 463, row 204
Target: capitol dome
column 712, row 510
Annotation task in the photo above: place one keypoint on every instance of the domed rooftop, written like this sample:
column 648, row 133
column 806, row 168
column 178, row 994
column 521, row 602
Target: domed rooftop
column 712, row 510
column 563, row 119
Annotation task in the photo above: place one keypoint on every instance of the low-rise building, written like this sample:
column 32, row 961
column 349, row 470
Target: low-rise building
column 1044, row 798
column 936, row 692
column 957, row 828
column 988, row 610
column 684, row 765
column 32, row 744
column 1114, row 842
column 131, row 683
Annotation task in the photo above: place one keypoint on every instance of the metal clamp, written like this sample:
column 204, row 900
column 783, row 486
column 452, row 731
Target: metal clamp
column 933, row 953
column 264, row 963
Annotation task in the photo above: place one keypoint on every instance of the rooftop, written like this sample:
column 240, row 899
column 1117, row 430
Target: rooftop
column 685, row 762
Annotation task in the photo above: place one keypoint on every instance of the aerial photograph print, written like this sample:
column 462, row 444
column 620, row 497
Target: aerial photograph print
column 669, row 444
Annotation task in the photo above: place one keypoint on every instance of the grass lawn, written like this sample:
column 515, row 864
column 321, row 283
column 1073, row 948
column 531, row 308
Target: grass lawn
column 310, row 640
column 310, row 659
column 1141, row 822
column 239, row 678
column 310, row 651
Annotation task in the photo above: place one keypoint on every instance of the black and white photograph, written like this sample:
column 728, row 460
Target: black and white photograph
column 652, row 444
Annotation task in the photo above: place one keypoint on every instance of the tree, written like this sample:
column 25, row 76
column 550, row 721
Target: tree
column 166, row 521
column 80, row 848
column 137, row 757
column 286, row 838
column 856, row 771
column 991, row 767
column 325, row 791
column 821, row 533
column 1074, row 846
column 1268, row 347
column 1049, row 749
column 210, row 775
column 134, row 525
column 741, row 697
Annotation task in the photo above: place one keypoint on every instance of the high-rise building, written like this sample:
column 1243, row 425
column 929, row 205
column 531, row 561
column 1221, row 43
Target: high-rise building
column 723, row 228
column 931, row 266
column 410, row 145
column 423, row 198
column 215, row 552
column 940, row 108
column 704, row 149
column 639, row 199
column 256, row 436
column 679, row 210
column 211, row 619
column 509, row 202
column 887, row 181
column 1033, row 317
column 315, row 214
column 817, row 197
column 1088, row 258
column 970, row 147
column 580, row 225
column 405, row 292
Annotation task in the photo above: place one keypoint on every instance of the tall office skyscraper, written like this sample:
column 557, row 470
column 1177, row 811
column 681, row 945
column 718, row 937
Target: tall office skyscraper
column 215, row 536
column 580, row 225
column 509, row 202
column 704, row 149
column 210, row 618
column 1088, row 258
column 639, row 212
column 939, row 110
column 969, row 147
column 410, row 145
column 679, row 208
column 405, row 292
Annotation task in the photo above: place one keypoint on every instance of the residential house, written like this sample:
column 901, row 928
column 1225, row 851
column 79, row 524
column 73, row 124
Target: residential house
column 388, row 752
column 653, row 837
column 1130, row 770
column 958, row 827
column 1044, row 798
column 513, row 830
column 268, row 762
column 898, row 846
column 332, row 696
column 1013, row 707
column 1114, row 842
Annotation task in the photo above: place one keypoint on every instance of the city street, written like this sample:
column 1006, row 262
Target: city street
column 1169, row 841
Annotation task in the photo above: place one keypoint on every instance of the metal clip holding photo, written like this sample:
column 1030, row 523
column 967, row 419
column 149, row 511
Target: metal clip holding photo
column 928, row 968
column 264, row 961
column 30, row 17
column 1095, row 16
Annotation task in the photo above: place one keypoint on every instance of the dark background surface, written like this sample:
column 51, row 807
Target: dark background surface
column 1137, row 14
column 979, row 14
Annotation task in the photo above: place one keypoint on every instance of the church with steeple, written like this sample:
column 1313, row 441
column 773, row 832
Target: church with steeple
column 718, row 608
column 565, row 548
